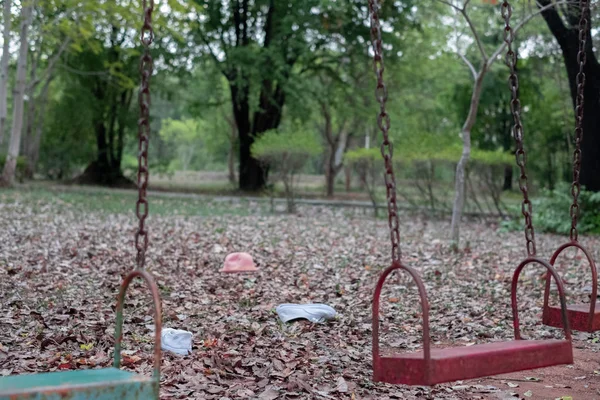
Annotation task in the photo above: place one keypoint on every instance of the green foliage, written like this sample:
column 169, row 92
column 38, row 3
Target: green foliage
column 363, row 155
column 68, row 141
column 286, row 147
column 492, row 158
column 286, row 151
column 551, row 211
column 197, row 143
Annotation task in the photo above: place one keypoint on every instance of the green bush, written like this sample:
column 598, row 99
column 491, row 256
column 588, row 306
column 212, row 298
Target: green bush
column 286, row 151
column 551, row 211
column 275, row 145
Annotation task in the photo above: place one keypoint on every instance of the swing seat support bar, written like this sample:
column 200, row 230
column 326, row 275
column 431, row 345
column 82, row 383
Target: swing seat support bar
column 96, row 384
column 582, row 317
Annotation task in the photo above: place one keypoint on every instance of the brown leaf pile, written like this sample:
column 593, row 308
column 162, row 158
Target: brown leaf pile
column 60, row 270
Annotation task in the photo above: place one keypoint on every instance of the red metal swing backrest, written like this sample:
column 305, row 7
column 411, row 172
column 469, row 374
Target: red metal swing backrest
column 561, row 293
column 424, row 309
column 594, row 294
column 584, row 6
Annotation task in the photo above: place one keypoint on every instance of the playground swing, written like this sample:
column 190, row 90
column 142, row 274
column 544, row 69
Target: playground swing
column 111, row 383
column 433, row 366
column 582, row 317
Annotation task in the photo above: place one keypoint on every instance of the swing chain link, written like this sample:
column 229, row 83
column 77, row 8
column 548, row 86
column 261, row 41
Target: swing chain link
column 383, row 122
column 517, row 130
column 146, row 68
column 584, row 6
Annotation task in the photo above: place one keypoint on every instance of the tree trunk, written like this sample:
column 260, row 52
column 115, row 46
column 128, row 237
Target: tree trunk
column 348, row 176
column 459, row 186
column 8, row 174
column 36, row 117
column 231, row 163
column 568, row 39
column 231, row 155
column 4, row 69
column 33, row 153
column 508, row 177
column 329, row 179
column 252, row 172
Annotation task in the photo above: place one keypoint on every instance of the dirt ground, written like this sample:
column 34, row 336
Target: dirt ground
column 578, row 381
column 61, row 266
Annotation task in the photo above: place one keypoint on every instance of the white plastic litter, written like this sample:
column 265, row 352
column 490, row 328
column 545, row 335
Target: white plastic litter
column 316, row 313
column 176, row 340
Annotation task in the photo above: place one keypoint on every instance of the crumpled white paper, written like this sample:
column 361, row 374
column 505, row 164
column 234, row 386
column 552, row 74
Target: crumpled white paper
column 316, row 313
column 176, row 340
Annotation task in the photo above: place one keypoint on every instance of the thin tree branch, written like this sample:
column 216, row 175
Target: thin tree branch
column 451, row 5
column 80, row 72
column 471, row 67
column 475, row 34
column 51, row 64
column 516, row 29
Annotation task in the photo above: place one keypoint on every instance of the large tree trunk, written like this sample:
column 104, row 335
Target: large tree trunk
column 459, row 186
column 508, row 177
column 231, row 156
column 103, row 171
column 568, row 39
column 253, row 174
column 336, row 147
column 4, row 69
column 37, row 107
column 8, row 174
column 33, row 151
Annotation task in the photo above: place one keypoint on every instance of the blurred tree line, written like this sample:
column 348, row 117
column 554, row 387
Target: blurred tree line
column 228, row 72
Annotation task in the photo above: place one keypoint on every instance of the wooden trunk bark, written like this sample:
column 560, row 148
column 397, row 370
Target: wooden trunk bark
column 459, row 186
column 568, row 39
column 4, row 68
column 508, row 177
column 8, row 174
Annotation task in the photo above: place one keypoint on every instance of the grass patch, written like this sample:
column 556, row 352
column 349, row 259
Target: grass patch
column 91, row 199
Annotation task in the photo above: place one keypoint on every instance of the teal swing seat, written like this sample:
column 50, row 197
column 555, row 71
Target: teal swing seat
column 94, row 384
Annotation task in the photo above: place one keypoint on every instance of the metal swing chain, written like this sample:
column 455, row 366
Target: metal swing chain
column 383, row 121
column 584, row 6
column 146, row 67
column 517, row 130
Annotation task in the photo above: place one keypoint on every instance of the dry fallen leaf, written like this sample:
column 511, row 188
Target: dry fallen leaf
column 269, row 394
column 64, row 262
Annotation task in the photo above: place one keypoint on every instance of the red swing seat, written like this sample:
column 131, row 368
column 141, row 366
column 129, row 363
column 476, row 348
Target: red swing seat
column 432, row 366
column 582, row 317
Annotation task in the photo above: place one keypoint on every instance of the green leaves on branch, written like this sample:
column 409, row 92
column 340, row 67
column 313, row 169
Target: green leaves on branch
column 287, row 147
column 431, row 148
column 551, row 211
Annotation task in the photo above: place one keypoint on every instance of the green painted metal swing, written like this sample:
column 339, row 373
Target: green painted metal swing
column 97, row 384
column 110, row 383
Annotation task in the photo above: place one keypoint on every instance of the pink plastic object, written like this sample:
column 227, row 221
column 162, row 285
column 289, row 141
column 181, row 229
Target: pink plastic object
column 239, row 262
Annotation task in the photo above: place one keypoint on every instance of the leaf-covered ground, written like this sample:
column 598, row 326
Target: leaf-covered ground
column 61, row 264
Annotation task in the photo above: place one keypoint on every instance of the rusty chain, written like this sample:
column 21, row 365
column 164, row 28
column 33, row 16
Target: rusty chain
column 517, row 130
column 146, row 67
column 584, row 6
column 383, row 121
